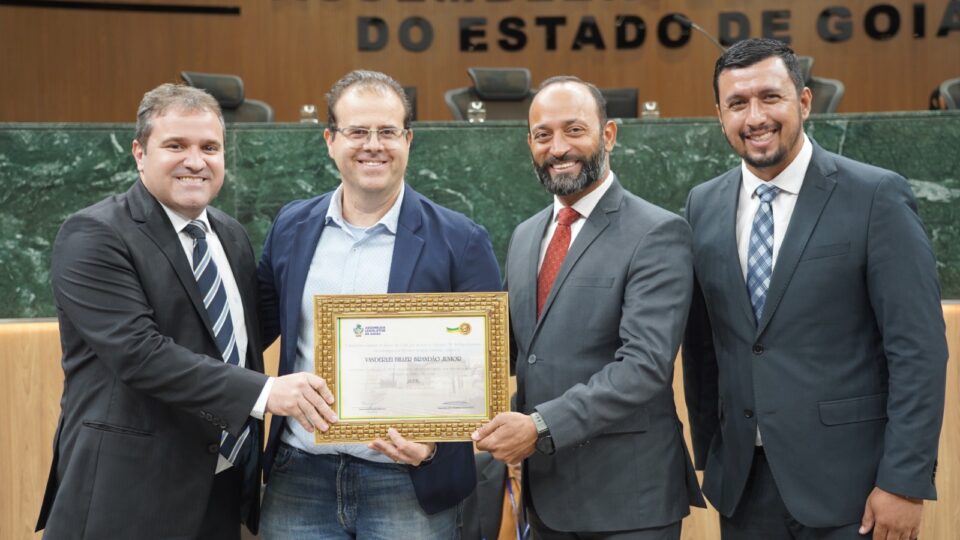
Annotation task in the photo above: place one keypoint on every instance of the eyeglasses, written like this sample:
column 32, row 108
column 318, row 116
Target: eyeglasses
column 359, row 135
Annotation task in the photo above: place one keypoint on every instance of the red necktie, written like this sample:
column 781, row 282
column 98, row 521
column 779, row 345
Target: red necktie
column 556, row 252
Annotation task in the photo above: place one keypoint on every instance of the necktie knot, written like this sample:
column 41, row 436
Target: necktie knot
column 767, row 192
column 567, row 216
column 197, row 229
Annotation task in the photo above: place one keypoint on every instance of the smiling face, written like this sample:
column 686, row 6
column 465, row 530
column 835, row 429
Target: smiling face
column 762, row 115
column 182, row 164
column 568, row 145
column 371, row 169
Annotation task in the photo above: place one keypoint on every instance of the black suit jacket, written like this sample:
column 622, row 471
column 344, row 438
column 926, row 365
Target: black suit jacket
column 845, row 371
column 483, row 509
column 146, row 393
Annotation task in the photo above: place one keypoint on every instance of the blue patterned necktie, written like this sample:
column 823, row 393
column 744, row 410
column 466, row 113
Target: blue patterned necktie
column 760, row 251
column 215, row 300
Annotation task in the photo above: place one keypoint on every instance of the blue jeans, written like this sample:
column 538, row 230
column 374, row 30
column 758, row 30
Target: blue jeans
column 340, row 496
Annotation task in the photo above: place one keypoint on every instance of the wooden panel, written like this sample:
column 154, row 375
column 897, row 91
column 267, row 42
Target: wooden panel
column 93, row 66
column 33, row 381
column 30, row 391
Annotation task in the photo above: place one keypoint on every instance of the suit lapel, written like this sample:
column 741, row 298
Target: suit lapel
column 524, row 292
column 730, row 199
column 304, row 245
column 234, row 245
column 408, row 245
column 595, row 224
column 155, row 224
column 814, row 194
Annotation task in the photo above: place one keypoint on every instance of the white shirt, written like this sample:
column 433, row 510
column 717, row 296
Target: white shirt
column 233, row 300
column 789, row 181
column 583, row 207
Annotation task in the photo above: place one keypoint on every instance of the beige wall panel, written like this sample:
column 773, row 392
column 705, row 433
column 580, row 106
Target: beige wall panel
column 74, row 65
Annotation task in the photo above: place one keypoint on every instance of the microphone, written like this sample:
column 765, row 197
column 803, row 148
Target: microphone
column 686, row 22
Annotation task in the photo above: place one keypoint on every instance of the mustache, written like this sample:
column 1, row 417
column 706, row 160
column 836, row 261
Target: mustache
column 773, row 126
column 569, row 156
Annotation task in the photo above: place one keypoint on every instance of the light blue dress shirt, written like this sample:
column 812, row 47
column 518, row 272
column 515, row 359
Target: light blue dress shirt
column 348, row 260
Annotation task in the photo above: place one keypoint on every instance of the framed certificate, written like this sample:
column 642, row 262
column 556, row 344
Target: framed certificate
column 435, row 366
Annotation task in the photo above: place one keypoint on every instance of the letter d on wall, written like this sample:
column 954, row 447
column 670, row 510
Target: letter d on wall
column 368, row 25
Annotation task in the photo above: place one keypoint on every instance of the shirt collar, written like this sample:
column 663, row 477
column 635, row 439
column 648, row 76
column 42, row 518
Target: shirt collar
column 789, row 180
column 179, row 222
column 389, row 220
column 589, row 201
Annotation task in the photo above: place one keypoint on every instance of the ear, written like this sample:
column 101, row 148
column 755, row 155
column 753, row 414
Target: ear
column 138, row 152
column 806, row 101
column 328, row 138
column 720, row 118
column 609, row 135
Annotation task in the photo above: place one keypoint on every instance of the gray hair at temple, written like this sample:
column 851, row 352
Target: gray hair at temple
column 752, row 51
column 173, row 96
column 594, row 91
column 366, row 80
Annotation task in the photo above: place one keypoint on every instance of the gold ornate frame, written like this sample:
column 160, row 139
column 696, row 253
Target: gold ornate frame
column 328, row 309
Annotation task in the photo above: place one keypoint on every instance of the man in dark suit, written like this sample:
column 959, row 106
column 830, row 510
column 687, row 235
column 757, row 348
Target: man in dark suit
column 814, row 361
column 494, row 511
column 373, row 234
column 600, row 285
column 160, row 432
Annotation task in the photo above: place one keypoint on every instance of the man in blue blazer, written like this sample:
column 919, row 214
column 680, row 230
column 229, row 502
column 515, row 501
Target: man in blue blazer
column 814, row 360
column 373, row 234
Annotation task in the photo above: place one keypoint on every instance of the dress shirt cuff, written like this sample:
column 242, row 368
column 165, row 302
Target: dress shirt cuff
column 260, row 406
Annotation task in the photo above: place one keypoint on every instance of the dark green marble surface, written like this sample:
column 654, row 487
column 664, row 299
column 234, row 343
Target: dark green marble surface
column 48, row 171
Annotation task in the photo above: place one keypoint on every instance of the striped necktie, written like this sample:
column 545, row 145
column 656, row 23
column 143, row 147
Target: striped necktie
column 760, row 250
column 215, row 301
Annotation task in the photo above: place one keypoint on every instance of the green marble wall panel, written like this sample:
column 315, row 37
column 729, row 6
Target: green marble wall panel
column 51, row 170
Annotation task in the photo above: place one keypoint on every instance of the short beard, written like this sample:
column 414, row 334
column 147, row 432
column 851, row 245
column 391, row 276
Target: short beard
column 768, row 161
column 568, row 184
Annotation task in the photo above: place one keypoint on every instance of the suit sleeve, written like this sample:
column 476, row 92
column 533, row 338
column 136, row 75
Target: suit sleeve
column 476, row 269
column 98, row 290
column 700, row 373
column 905, row 296
column 656, row 301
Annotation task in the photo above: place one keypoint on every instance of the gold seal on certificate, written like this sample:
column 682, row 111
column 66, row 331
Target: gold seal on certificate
column 432, row 365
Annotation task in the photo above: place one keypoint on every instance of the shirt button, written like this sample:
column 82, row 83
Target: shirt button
column 532, row 359
column 748, row 413
column 758, row 348
column 213, row 448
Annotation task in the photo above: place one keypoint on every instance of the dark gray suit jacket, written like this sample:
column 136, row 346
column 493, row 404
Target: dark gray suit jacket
column 598, row 366
column 845, row 371
column 483, row 509
column 146, row 393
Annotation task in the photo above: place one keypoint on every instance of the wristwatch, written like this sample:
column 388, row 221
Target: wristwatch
column 544, row 440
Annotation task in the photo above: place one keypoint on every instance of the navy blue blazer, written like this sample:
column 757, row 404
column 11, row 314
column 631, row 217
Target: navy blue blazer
column 436, row 250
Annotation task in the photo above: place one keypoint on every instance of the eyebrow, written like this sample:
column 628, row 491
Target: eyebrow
column 566, row 123
column 184, row 139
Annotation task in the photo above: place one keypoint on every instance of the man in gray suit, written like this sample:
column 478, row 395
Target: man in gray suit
column 600, row 283
column 814, row 360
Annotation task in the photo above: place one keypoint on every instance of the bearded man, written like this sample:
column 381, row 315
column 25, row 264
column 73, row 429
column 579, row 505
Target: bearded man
column 600, row 284
column 815, row 358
